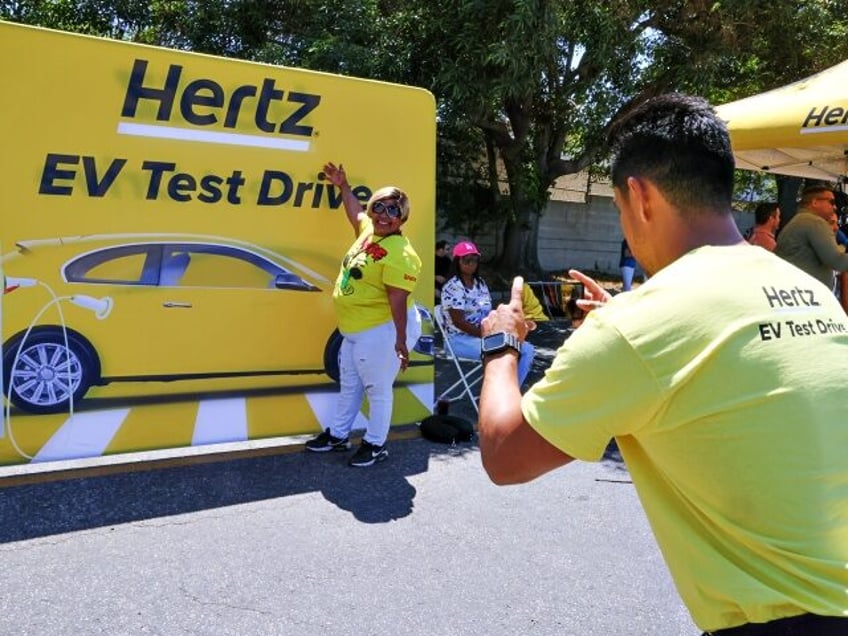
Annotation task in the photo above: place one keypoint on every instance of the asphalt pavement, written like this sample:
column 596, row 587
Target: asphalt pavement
column 299, row 543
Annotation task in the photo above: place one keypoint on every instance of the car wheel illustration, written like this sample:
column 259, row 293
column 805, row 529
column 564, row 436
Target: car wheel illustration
column 331, row 355
column 41, row 375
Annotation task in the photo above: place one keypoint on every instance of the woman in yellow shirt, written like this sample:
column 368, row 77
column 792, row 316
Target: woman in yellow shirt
column 376, row 316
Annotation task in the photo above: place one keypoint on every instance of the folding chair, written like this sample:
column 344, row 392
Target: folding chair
column 470, row 370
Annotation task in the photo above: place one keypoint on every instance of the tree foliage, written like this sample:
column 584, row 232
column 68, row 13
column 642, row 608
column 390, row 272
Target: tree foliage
column 541, row 80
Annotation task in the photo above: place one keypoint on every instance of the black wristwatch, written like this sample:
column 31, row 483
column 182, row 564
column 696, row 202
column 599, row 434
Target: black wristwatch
column 497, row 342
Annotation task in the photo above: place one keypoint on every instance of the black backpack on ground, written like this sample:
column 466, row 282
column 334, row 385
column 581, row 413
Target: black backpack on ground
column 447, row 429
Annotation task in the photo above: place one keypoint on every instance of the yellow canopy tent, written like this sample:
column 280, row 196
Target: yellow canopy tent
column 800, row 129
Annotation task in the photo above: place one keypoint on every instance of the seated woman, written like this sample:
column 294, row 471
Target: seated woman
column 466, row 301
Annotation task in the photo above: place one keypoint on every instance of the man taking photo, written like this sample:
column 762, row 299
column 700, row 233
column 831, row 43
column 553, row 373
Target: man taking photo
column 732, row 421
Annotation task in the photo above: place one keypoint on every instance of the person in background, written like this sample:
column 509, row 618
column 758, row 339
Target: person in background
column 575, row 313
column 732, row 418
column 839, row 277
column 627, row 265
column 833, row 222
column 766, row 222
column 442, row 266
column 533, row 309
column 376, row 316
column 841, row 237
column 465, row 302
column 808, row 241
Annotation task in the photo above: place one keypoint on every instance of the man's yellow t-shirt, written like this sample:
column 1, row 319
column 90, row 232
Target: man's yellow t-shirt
column 372, row 263
column 724, row 381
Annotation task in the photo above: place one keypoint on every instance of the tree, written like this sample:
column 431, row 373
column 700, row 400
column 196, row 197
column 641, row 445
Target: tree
column 541, row 80
column 121, row 19
column 525, row 75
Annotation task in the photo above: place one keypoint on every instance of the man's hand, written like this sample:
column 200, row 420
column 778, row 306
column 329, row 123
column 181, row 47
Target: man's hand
column 512, row 451
column 594, row 295
column 508, row 317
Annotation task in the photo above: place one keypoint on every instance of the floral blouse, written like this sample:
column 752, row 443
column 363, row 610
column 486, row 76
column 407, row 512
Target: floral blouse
column 475, row 303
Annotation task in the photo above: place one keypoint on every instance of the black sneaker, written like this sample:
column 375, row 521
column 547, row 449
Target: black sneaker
column 326, row 442
column 368, row 454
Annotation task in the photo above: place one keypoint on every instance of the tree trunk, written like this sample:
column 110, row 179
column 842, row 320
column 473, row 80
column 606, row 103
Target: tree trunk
column 520, row 253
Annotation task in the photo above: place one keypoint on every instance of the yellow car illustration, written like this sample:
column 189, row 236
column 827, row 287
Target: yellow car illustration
column 162, row 307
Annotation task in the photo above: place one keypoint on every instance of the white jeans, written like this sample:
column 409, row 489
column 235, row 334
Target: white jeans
column 368, row 366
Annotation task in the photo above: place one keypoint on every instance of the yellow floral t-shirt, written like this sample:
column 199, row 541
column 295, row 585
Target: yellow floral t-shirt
column 371, row 264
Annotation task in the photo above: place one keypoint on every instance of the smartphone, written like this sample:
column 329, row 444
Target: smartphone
column 572, row 290
column 571, row 293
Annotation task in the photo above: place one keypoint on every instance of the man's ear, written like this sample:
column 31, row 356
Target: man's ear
column 639, row 192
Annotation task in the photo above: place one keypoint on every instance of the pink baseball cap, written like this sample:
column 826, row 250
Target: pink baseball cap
column 464, row 248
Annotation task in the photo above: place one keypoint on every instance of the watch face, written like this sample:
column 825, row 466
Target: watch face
column 497, row 342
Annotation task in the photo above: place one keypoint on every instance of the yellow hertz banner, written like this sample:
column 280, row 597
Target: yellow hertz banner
column 169, row 243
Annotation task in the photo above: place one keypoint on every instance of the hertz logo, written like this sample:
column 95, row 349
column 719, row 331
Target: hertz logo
column 826, row 119
column 203, row 103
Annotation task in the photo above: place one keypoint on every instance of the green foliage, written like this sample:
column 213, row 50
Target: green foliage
column 122, row 19
column 536, row 79
column 463, row 189
column 542, row 80
column 751, row 188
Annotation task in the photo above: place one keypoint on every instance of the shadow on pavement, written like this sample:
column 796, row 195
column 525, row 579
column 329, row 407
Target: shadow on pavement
column 378, row 494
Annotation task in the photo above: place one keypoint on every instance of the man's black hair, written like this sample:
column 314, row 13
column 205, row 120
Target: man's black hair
column 763, row 211
column 678, row 143
column 440, row 245
column 814, row 191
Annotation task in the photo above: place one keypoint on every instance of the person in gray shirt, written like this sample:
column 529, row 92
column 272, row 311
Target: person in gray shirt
column 808, row 242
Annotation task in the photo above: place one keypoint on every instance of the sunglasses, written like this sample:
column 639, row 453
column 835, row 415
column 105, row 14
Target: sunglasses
column 471, row 258
column 392, row 211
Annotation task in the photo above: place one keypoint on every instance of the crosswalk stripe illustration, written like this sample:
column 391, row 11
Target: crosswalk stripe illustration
column 424, row 392
column 155, row 426
column 220, row 421
column 82, row 435
column 276, row 416
column 324, row 407
column 190, row 423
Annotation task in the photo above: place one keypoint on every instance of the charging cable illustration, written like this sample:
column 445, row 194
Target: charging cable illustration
column 101, row 307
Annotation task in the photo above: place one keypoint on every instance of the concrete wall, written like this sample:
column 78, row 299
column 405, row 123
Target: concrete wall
column 580, row 235
column 588, row 235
